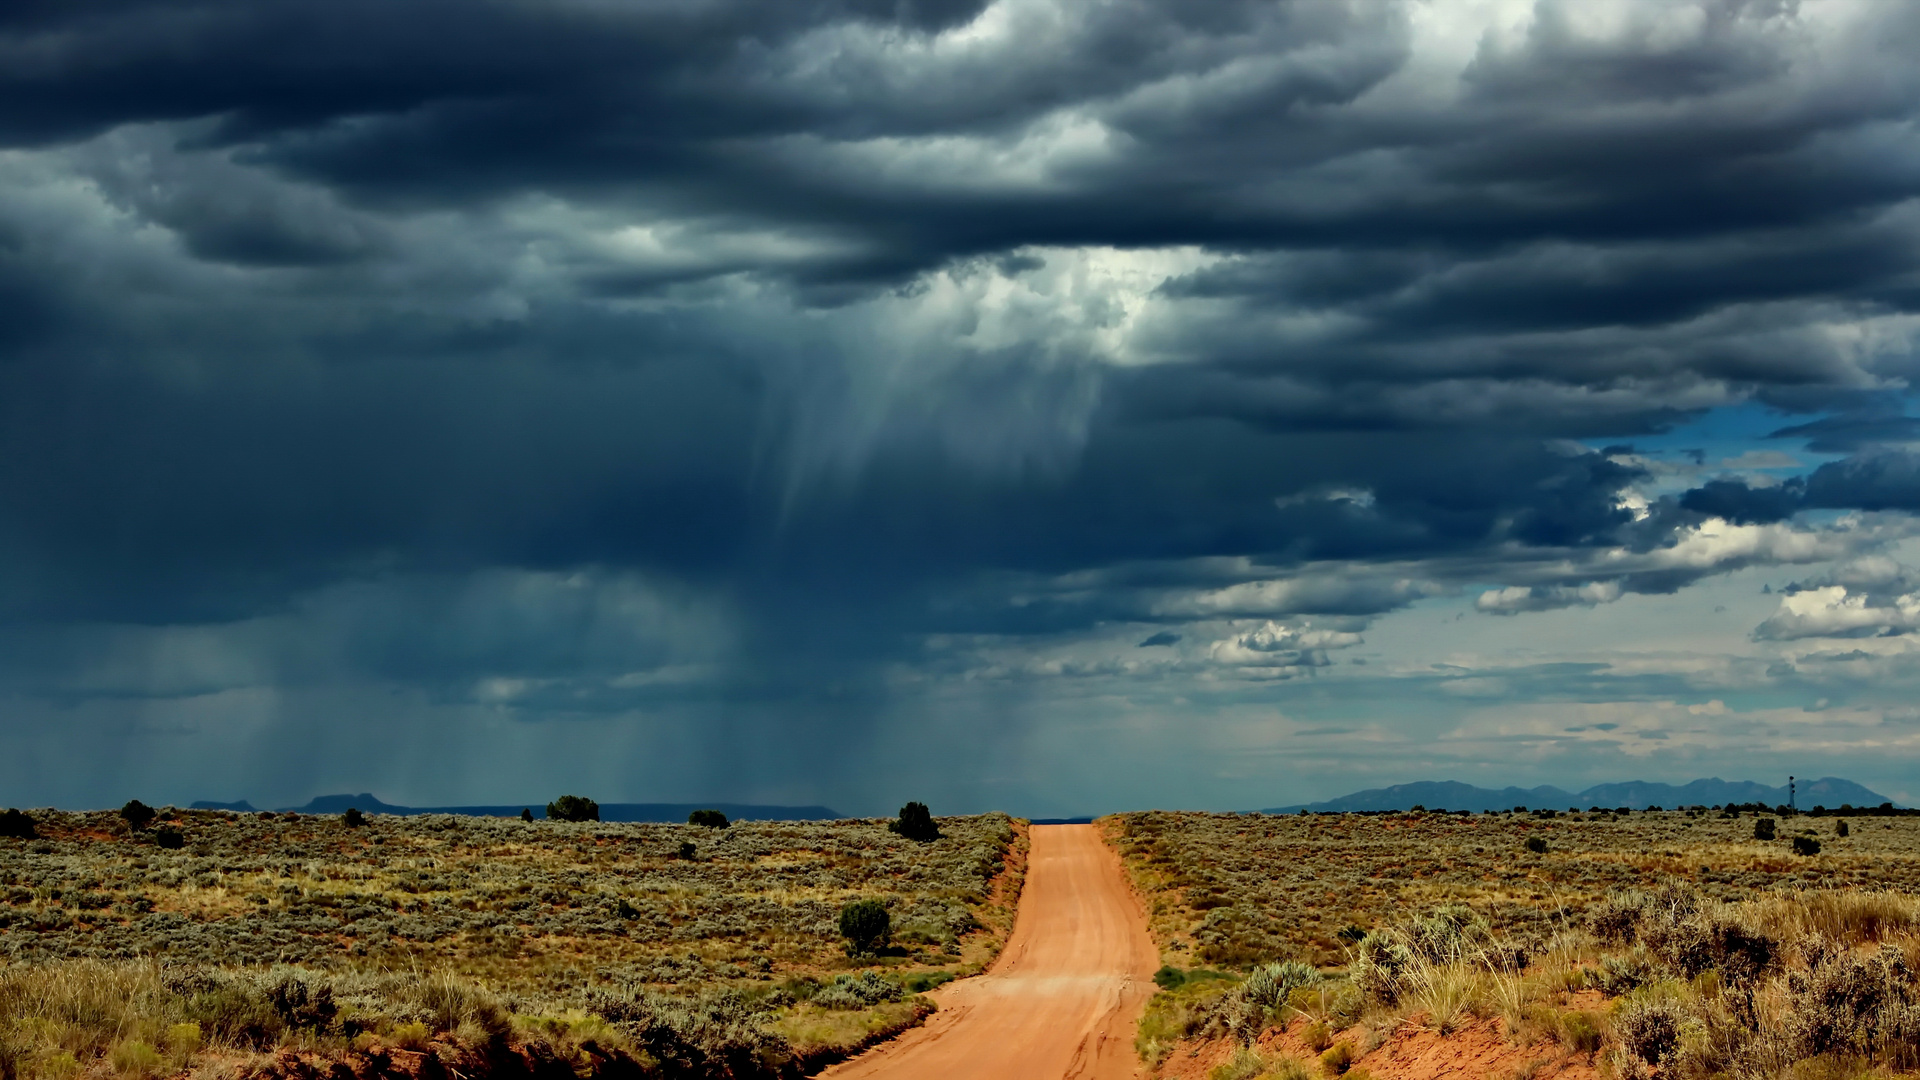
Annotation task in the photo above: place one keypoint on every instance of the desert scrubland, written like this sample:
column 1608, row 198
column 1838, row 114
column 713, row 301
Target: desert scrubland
column 1521, row 945
column 228, row 944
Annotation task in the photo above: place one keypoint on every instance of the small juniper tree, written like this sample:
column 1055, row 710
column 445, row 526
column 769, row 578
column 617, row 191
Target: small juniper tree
column 1537, row 845
column 573, row 808
column 1763, row 829
column 353, row 818
column 916, row 823
column 526, row 813
column 17, row 825
column 137, row 814
column 866, row 926
column 712, row 819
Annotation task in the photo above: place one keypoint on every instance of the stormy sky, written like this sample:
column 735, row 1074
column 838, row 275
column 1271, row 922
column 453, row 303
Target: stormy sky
column 1049, row 405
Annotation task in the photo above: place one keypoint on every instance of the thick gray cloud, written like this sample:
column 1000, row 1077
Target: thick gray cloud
column 739, row 373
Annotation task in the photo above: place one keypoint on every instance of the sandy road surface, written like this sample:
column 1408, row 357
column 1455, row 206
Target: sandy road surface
column 1064, row 996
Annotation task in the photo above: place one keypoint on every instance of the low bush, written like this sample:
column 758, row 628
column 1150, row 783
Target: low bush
column 928, row 980
column 1169, row 977
column 169, row 838
column 1845, row 1002
column 1806, row 845
column 1294, row 1069
column 866, row 925
column 1245, row 1064
column 861, row 991
column 1337, row 1060
column 1259, row 1000
column 1649, row 1028
column 353, row 818
column 1763, row 829
column 1378, row 963
column 1579, row 1031
column 712, row 819
column 1537, row 845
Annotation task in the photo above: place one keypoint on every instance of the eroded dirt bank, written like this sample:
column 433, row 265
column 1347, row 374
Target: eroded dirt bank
column 1062, row 1000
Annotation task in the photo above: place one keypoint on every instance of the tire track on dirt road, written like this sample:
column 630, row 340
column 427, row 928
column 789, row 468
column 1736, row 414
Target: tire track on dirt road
column 1064, row 996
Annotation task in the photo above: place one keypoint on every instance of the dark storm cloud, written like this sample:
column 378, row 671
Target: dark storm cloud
column 1883, row 478
column 1852, row 430
column 816, row 329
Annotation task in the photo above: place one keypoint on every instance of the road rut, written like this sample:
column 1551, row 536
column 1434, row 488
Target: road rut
column 1065, row 994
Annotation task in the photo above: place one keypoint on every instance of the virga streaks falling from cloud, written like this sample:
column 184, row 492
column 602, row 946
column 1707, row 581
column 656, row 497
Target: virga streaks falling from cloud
column 825, row 400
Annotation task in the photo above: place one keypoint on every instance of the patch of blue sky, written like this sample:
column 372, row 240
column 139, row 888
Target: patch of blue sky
column 1738, row 440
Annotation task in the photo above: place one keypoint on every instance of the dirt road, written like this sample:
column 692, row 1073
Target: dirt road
column 1064, row 996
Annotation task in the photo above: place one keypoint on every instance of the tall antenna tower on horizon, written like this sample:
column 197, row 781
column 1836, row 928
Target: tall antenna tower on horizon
column 1790, row 805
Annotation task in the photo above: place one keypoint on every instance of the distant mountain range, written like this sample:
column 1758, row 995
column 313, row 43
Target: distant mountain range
column 1830, row 792
column 657, row 812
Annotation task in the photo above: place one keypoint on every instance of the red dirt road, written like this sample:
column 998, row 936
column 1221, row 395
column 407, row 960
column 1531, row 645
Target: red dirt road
column 1063, row 998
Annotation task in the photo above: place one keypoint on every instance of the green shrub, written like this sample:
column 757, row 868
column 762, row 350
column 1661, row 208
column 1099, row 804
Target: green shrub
column 928, row 980
column 169, row 838
column 573, row 808
column 1579, row 1031
column 916, row 823
column 17, row 825
column 137, row 813
column 1338, row 1060
column 353, row 818
column 1245, row 1065
column 862, row 991
column 1806, row 845
column 1763, row 829
column 136, row 1058
column 1169, row 977
column 712, row 819
column 1292, row 1069
column 1649, row 1028
column 866, row 926
column 1379, row 960
column 1537, row 845
column 300, row 1006
column 184, row 1038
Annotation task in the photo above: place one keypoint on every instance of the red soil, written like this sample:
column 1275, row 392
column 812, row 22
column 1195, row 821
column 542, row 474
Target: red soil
column 1476, row 1049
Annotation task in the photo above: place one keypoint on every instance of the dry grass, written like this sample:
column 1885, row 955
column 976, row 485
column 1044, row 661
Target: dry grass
column 1666, row 944
column 264, row 932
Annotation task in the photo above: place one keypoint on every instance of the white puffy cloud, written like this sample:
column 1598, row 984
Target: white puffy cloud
column 1860, row 598
column 1517, row 598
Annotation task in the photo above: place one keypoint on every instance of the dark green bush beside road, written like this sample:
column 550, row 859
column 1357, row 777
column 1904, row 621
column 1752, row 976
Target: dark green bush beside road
column 866, row 926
